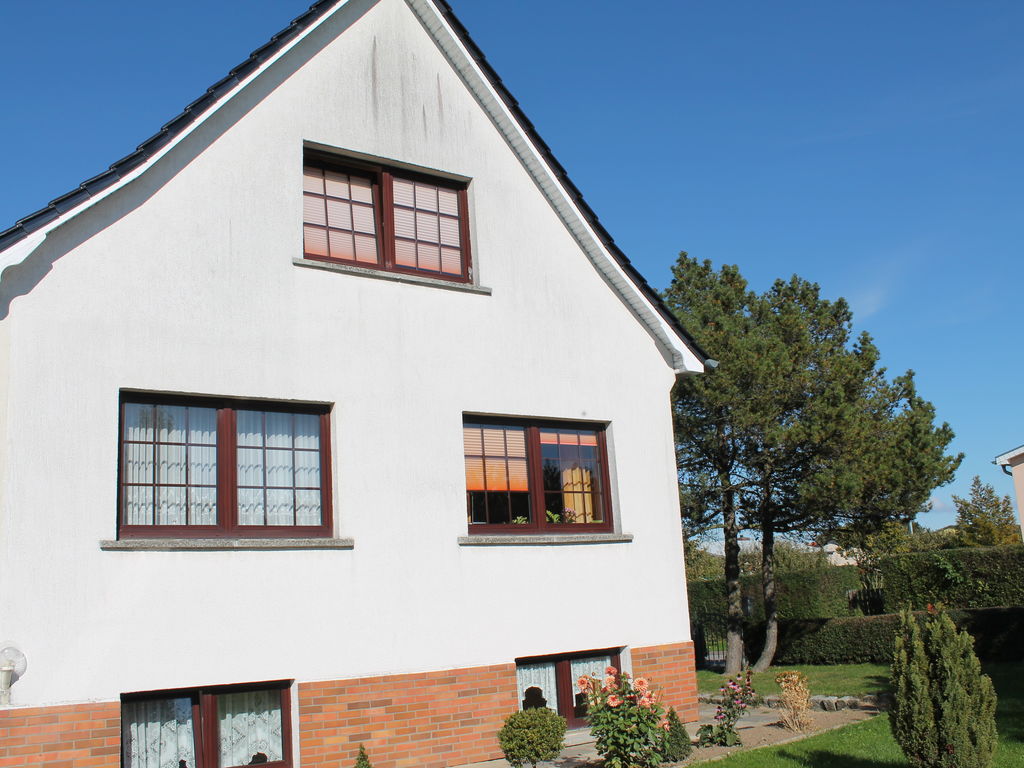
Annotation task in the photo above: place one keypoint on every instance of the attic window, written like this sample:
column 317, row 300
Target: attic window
column 387, row 219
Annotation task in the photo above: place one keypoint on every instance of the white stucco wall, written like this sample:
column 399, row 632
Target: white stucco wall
column 189, row 286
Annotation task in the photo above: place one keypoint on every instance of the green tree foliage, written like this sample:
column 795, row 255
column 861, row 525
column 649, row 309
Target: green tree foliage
column 677, row 745
column 796, row 429
column 531, row 736
column 984, row 519
column 362, row 761
column 944, row 710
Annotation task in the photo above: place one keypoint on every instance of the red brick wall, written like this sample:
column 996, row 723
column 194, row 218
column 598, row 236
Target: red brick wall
column 73, row 736
column 672, row 669
column 431, row 719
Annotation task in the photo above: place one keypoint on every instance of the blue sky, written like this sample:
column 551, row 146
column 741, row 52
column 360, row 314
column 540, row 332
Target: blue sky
column 873, row 147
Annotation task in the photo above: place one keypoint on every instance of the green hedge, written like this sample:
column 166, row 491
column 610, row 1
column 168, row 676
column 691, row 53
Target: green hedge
column 822, row 592
column 973, row 577
column 861, row 639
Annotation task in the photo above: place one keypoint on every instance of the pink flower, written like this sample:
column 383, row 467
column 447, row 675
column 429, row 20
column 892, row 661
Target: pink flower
column 583, row 683
column 665, row 726
column 614, row 701
column 611, row 671
column 641, row 684
column 609, row 682
column 645, row 701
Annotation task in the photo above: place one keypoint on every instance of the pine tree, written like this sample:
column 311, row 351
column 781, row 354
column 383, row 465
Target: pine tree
column 363, row 761
column 677, row 745
column 944, row 711
column 984, row 519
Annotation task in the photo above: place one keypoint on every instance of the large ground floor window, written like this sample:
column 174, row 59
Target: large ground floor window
column 550, row 681
column 213, row 727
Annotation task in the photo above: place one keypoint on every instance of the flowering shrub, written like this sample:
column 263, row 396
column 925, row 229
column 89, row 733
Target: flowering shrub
column 625, row 718
column 737, row 695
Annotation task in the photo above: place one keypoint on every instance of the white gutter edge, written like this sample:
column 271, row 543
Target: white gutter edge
column 684, row 359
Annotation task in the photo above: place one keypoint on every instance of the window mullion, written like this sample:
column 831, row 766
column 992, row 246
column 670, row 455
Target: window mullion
column 386, row 219
column 227, row 470
column 535, row 474
column 210, row 737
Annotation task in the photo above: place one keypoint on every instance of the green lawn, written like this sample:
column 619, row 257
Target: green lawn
column 837, row 680
column 870, row 744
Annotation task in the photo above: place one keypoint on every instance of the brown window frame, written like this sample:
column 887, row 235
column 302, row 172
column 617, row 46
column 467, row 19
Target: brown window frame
column 539, row 524
column 382, row 178
column 227, row 526
column 205, row 721
column 565, row 685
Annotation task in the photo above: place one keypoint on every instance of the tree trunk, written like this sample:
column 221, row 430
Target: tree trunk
column 771, row 609
column 734, row 598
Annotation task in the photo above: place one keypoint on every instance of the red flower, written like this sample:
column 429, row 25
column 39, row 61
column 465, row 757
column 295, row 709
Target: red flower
column 583, row 683
column 614, row 701
column 611, row 671
column 641, row 684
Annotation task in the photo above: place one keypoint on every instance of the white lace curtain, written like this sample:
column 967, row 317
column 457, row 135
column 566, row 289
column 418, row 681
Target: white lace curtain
column 158, row 734
column 250, row 723
column 541, row 676
column 591, row 667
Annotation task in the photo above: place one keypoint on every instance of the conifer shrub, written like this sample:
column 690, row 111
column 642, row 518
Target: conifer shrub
column 944, row 710
column 362, row 761
column 531, row 736
column 676, row 745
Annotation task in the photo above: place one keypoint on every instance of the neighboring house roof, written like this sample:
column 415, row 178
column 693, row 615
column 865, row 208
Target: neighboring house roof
column 125, row 169
column 1006, row 458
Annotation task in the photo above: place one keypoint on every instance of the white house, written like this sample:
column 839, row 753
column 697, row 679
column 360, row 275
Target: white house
column 330, row 416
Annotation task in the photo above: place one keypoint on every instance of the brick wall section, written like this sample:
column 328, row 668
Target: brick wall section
column 672, row 669
column 73, row 736
column 428, row 720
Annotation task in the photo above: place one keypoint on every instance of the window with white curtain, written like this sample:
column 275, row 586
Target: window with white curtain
column 203, row 467
column 251, row 727
column 550, row 681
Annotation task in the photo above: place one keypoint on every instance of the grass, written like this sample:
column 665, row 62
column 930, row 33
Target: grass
column 870, row 744
column 836, row 680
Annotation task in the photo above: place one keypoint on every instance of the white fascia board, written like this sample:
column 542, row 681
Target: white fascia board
column 1005, row 458
column 684, row 359
column 21, row 250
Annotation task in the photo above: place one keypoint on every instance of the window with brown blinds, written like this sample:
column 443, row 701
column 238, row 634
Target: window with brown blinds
column 380, row 218
column 524, row 476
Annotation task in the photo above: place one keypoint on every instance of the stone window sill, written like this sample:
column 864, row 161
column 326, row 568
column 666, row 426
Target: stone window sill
column 180, row 545
column 396, row 277
column 545, row 541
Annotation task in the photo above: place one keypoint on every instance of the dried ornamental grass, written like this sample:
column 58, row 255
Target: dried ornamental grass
column 795, row 701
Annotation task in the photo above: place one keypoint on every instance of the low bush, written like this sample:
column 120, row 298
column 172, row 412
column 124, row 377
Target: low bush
column 862, row 639
column 971, row 577
column 795, row 701
column 531, row 736
column 362, row 761
column 677, row 745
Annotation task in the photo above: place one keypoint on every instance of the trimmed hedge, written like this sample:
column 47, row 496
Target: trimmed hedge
column 862, row 639
column 972, row 577
column 822, row 592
